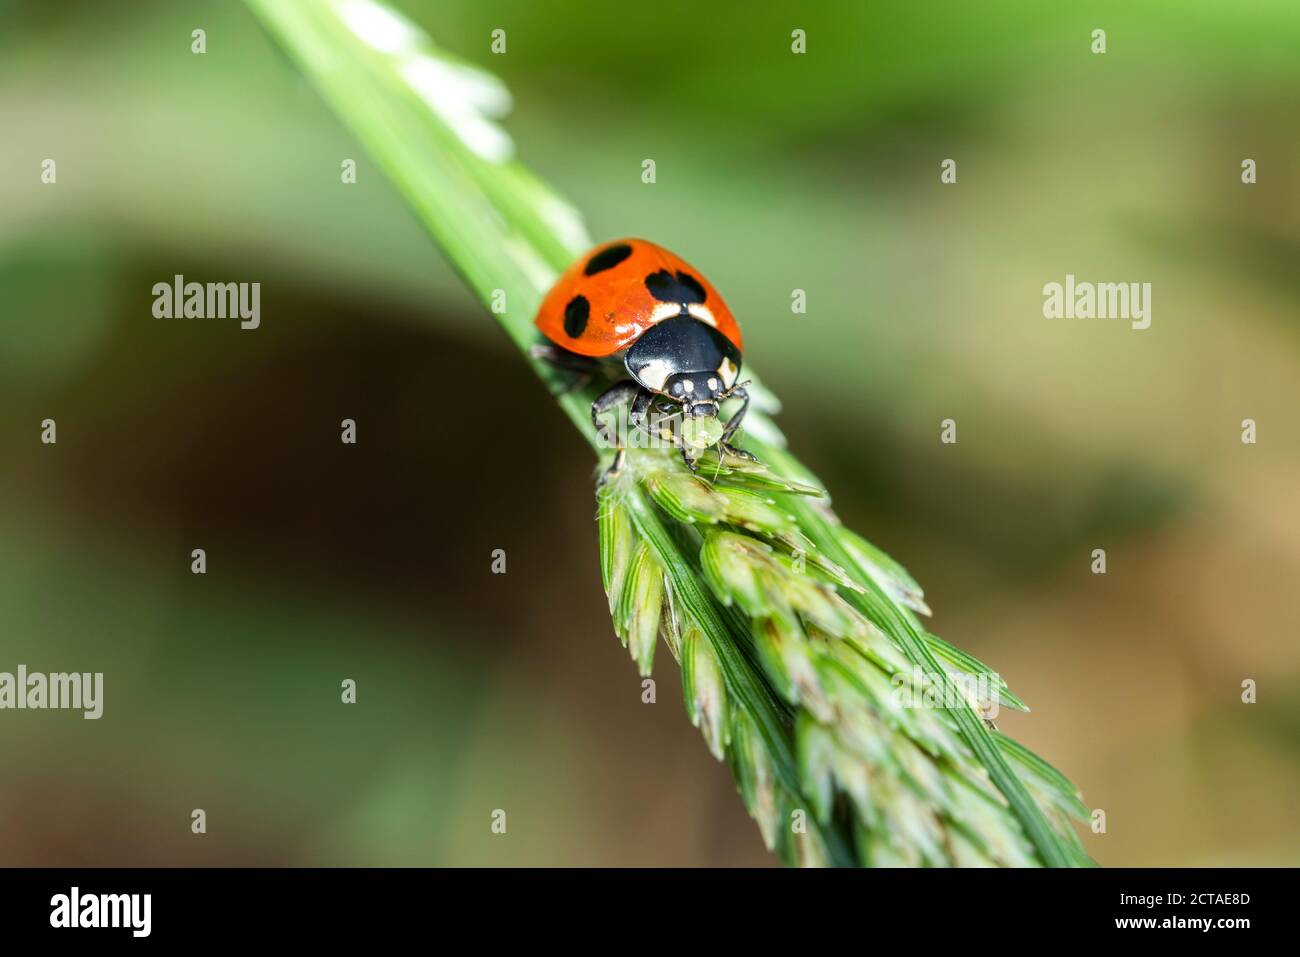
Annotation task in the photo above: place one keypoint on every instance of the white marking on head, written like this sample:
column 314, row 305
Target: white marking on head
column 688, row 385
column 728, row 371
column 654, row 374
column 713, row 385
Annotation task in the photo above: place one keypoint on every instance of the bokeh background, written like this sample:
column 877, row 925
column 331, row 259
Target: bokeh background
column 775, row 172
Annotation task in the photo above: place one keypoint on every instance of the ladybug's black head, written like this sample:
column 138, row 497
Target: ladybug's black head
column 687, row 361
column 698, row 410
column 698, row 392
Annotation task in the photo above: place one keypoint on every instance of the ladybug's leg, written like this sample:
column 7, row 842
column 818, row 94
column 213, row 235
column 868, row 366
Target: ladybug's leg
column 640, row 409
column 582, row 367
column 615, row 395
column 733, row 424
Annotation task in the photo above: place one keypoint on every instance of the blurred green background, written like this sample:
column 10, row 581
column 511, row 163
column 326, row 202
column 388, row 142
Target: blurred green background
column 775, row 172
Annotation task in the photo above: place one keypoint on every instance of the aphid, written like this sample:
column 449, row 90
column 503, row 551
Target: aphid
column 635, row 303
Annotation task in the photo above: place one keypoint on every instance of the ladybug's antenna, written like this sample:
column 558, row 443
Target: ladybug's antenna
column 738, row 385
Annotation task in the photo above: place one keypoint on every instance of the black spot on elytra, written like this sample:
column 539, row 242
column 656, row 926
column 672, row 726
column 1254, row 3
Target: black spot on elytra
column 666, row 287
column 607, row 259
column 575, row 316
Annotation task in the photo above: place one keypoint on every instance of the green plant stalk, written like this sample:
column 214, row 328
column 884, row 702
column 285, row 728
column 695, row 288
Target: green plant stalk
column 973, row 729
column 744, row 681
column 510, row 236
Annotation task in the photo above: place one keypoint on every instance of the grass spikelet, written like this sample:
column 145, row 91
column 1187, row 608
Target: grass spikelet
column 853, row 734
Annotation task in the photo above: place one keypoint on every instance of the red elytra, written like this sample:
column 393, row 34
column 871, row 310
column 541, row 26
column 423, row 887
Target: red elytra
column 615, row 292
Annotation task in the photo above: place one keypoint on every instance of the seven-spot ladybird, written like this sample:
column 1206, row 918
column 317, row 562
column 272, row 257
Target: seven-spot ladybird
column 634, row 302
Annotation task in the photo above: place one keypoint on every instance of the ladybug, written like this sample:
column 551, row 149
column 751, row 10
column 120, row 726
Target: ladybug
column 635, row 304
